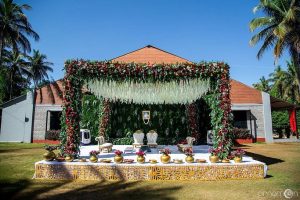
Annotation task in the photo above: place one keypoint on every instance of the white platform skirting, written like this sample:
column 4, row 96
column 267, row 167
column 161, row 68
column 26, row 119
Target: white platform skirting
column 248, row 169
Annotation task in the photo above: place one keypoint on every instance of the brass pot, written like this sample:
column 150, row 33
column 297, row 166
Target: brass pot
column 165, row 158
column 93, row 158
column 189, row 159
column 49, row 155
column 118, row 159
column 69, row 158
column 238, row 159
column 140, row 159
column 214, row 159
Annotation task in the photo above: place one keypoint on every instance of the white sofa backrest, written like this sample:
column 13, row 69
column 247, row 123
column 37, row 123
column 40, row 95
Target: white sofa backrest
column 152, row 137
column 138, row 138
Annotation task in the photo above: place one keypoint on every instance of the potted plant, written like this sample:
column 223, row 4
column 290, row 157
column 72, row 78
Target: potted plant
column 118, row 156
column 238, row 155
column 165, row 158
column 214, row 155
column 93, row 156
column 49, row 155
column 140, row 156
column 189, row 155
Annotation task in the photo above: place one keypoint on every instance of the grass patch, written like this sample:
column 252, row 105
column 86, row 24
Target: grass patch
column 17, row 168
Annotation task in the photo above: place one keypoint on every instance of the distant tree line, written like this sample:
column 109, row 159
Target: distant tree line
column 278, row 27
column 18, row 69
column 282, row 84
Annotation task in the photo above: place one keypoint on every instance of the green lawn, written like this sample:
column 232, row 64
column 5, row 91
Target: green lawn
column 17, row 169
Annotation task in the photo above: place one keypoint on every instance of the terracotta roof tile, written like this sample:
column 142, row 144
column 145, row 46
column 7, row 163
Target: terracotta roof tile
column 150, row 54
column 243, row 94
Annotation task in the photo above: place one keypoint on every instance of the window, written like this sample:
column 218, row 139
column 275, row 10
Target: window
column 55, row 120
column 240, row 119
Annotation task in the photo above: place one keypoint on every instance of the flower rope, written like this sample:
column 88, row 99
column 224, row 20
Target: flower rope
column 174, row 92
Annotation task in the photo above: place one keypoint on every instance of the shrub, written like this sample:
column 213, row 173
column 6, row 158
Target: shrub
column 52, row 135
column 241, row 133
column 122, row 141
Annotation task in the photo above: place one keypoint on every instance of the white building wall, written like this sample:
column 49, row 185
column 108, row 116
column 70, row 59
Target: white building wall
column 17, row 120
column 267, row 117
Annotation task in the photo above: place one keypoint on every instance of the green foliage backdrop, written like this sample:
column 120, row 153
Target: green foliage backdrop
column 91, row 112
column 170, row 121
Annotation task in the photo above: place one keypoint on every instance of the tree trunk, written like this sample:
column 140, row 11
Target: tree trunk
column 11, row 85
column 1, row 46
column 33, row 112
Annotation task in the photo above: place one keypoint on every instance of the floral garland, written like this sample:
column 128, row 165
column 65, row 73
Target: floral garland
column 193, row 120
column 216, row 72
column 104, row 119
column 172, row 92
column 72, row 85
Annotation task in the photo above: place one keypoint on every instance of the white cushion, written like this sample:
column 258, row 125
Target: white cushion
column 106, row 145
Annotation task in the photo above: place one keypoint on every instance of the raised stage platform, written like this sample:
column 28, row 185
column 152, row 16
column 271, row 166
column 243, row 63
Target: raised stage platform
column 248, row 169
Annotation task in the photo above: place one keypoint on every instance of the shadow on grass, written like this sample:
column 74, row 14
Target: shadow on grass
column 259, row 157
column 265, row 159
column 117, row 190
column 27, row 189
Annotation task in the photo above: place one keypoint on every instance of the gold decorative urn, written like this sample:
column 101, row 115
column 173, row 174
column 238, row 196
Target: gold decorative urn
column 165, row 159
column 93, row 158
column 69, row 158
column 118, row 158
column 49, row 156
column 214, row 159
column 238, row 159
column 140, row 159
column 189, row 159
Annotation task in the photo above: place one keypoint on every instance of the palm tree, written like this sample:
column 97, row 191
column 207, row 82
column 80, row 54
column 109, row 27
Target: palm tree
column 291, row 82
column 277, row 80
column 39, row 68
column 279, row 28
column 16, row 67
column 263, row 85
column 14, row 27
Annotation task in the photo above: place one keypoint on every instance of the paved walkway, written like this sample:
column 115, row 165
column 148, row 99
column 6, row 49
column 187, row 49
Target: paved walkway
column 292, row 139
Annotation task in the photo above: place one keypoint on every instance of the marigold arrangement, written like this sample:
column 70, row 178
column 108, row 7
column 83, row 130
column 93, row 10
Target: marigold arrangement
column 118, row 152
column 188, row 152
column 140, row 153
column 238, row 152
column 94, row 153
column 165, row 151
column 214, row 152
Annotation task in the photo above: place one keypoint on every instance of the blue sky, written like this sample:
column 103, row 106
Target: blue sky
column 194, row 29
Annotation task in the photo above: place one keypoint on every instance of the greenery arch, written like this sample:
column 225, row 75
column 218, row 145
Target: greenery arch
column 78, row 71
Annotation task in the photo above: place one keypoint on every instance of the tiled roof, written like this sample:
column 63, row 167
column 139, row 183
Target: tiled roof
column 243, row 94
column 150, row 54
column 240, row 93
column 44, row 94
